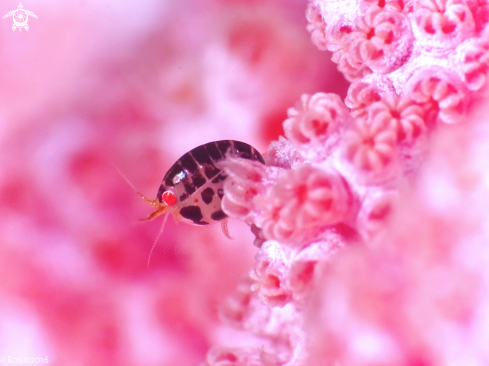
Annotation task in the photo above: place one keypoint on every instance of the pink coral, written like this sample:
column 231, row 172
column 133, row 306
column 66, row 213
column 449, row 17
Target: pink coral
column 352, row 69
column 227, row 356
column 308, row 262
column 400, row 114
column 370, row 303
column 314, row 118
column 270, row 274
column 302, row 200
column 389, row 294
column 371, row 146
column 316, row 26
column 480, row 10
column 363, row 93
column 237, row 308
column 381, row 39
column 244, row 183
column 373, row 218
column 444, row 17
column 393, row 5
column 441, row 95
column 475, row 66
column 337, row 42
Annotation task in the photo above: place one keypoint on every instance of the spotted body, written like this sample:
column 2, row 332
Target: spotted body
column 192, row 189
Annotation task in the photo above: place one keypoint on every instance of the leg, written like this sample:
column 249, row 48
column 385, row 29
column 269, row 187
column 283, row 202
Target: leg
column 160, row 210
column 224, row 227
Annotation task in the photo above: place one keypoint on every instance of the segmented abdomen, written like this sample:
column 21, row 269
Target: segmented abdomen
column 198, row 183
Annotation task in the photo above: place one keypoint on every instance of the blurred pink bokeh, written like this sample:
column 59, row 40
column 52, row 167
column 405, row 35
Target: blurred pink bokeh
column 97, row 86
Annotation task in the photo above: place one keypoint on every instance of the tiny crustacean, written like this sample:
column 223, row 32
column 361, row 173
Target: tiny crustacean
column 192, row 189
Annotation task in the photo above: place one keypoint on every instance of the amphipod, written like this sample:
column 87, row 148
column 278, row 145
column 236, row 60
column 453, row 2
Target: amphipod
column 192, row 189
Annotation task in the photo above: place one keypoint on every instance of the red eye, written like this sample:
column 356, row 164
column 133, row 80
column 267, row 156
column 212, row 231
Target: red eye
column 169, row 198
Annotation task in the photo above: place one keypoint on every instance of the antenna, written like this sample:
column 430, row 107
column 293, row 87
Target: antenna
column 159, row 234
column 154, row 214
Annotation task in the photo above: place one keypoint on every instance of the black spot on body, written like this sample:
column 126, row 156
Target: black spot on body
column 220, row 193
column 183, row 197
column 207, row 195
column 192, row 213
column 201, row 155
column 242, row 150
column 188, row 163
column 223, row 146
column 198, row 180
column 239, row 149
column 213, row 151
column 218, row 215
column 211, row 171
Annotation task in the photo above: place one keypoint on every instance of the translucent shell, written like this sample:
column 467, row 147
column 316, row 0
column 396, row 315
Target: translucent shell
column 192, row 189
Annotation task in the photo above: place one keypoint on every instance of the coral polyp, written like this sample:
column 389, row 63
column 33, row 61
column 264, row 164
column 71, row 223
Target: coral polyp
column 322, row 207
